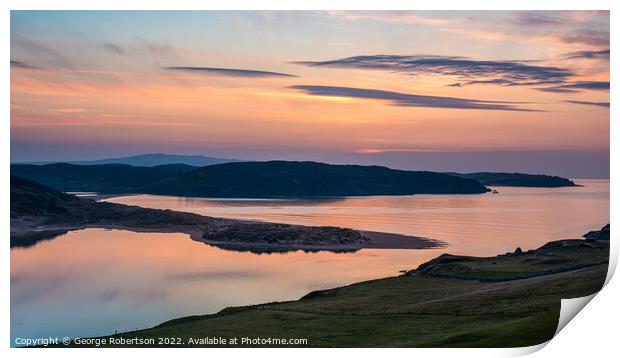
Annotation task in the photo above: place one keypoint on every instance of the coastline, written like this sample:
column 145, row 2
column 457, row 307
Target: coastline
column 24, row 237
column 376, row 240
column 39, row 212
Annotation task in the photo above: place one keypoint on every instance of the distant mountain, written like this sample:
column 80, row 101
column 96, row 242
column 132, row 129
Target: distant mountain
column 307, row 179
column 246, row 179
column 517, row 179
column 106, row 178
column 151, row 160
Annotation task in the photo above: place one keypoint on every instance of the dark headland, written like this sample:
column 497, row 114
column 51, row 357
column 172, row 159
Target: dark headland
column 39, row 212
column 517, row 179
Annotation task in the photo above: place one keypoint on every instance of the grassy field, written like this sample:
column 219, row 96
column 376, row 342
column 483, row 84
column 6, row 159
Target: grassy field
column 442, row 304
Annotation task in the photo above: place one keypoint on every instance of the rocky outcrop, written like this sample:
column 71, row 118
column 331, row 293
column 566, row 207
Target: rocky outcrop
column 602, row 234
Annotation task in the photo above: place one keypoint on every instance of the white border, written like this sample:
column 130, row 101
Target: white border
column 593, row 330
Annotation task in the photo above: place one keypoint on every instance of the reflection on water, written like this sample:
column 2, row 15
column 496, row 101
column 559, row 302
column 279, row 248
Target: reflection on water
column 484, row 224
column 275, row 250
column 95, row 281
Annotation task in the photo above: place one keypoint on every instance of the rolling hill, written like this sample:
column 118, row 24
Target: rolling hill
column 247, row 179
column 308, row 179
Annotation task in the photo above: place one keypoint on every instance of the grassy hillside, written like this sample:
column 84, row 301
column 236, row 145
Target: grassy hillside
column 444, row 303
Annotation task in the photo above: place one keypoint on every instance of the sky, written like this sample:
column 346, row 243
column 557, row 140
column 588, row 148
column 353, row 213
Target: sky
column 427, row 90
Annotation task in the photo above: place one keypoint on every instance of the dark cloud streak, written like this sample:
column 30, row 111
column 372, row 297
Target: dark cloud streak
column 20, row 64
column 232, row 72
column 409, row 100
column 578, row 87
column 506, row 73
column 586, row 103
column 597, row 55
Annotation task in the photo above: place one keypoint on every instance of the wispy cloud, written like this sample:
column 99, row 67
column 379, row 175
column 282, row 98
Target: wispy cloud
column 586, row 103
column 45, row 52
column 537, row 18
column 560, row 27
column 578, row 87
column 507, row 73
column 602, row 55
column 20, row 64
column 232, row 72
column 408, row 17
column 113, row 48
column 409, row 100
column 585, row 37
column 566, row 37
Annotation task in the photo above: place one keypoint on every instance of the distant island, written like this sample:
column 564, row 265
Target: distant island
column 308, row 179
column 517, row 179
column 39, row 213
column 509, row 300
column 247, row 180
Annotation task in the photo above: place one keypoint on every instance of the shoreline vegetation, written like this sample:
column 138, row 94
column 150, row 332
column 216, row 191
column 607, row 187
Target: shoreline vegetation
column 39, row 213
column 509, row 300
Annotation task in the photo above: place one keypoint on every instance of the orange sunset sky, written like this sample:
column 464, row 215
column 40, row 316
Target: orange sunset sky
column 437, row 90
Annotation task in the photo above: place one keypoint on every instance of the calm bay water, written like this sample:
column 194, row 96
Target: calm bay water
column 485, row 224
column 96, row 281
